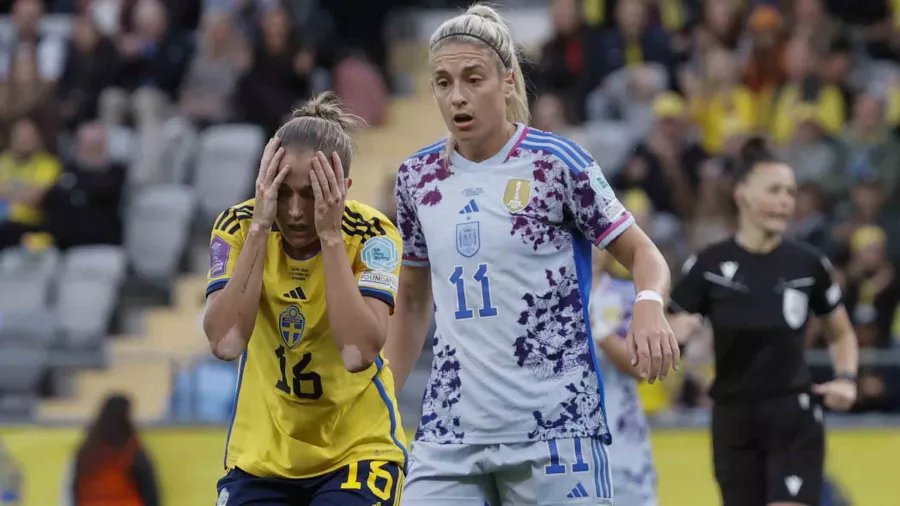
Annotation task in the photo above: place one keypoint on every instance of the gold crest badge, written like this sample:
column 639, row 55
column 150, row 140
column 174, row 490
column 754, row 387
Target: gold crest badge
column 517, row 194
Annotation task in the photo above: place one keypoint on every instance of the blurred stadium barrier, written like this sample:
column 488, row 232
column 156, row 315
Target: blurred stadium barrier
column 189, row 460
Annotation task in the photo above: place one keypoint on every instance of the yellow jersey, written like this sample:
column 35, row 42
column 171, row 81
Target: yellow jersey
column 38, row 171
column 298, row 412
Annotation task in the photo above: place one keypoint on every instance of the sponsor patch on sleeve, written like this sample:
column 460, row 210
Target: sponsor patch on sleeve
column 379, row 280
column 218, row 257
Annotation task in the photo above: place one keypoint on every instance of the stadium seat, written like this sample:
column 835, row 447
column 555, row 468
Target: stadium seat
column 181, row 138
column 157, row 226
column 25, row 278
column 102, row 260
column 38, row 327
column 227, row 164
column 22, row 367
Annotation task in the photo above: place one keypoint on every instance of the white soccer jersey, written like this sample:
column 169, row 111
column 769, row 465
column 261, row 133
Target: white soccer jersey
column 630, row 455
column 508, row 241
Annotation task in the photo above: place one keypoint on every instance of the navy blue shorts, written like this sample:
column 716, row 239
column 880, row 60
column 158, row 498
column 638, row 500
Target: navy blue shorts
column 367, row 483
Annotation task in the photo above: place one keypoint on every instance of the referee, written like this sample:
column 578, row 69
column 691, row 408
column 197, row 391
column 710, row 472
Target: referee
column 757, row 290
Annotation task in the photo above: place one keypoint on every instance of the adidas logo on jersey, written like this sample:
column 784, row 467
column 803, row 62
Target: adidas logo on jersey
column 296, row 294
column 470, row 208
column 578, row 492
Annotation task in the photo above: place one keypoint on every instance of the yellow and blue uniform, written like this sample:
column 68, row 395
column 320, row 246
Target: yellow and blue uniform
column 301, row 419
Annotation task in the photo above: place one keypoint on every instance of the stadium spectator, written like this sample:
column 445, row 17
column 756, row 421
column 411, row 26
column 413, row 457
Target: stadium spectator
column 27, row 171
column 25, row 94
column 279, row 76
column 719, row 103
column 721, row 25
column 872, row 287
column 570, row 62
column 154, row 58
column 632, row 42
column 91, row 67
column 870, row 143
column 810, row 224
column 866, row 206
column 48, row 50
column 626, row 97
column 83, row 207
column 111, row 465
column 208, row 92
column 814, row 157
column 765, row 70
column 666, row 164
column 804, row 87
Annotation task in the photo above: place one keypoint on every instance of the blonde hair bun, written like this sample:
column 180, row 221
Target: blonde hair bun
column 327, row 106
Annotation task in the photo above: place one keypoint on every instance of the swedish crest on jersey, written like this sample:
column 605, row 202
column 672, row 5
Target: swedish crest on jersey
column 291, row 324
column 468, row 238
column 517, row 194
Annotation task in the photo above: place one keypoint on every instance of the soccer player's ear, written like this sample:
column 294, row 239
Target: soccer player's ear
column 509, row 83
column 347, row 183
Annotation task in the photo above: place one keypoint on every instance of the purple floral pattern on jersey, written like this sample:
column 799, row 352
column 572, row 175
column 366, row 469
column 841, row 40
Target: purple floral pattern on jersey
column 417, row 184
column 439, row 423
column 631, row 424
column 556, row 344
column 595, row 213
column 532, row 224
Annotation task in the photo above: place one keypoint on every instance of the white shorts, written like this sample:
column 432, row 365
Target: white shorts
column 560, row 472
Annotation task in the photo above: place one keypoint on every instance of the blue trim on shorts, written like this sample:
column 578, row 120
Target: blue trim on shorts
column 390, row 407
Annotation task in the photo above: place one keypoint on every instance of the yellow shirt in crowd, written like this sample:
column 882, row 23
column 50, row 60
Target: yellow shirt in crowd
column 723, row 114
column 38, row 171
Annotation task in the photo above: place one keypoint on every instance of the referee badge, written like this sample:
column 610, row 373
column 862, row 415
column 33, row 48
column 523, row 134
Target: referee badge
column 795, row 307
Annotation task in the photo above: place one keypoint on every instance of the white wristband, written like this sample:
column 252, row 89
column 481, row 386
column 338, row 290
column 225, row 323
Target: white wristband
column 648, row 295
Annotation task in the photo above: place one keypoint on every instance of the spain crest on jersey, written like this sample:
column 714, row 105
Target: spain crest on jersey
column 517, row 194
column 292, row 323
column 468, row 238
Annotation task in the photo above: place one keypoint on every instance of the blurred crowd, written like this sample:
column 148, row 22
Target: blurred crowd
column 663, row 92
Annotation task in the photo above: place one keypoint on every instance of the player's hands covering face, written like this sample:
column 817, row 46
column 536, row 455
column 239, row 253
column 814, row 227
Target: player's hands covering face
column 651, row 342
column 267, row 183
column 330, row 190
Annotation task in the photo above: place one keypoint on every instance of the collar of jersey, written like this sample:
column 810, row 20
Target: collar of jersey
column 460, row 162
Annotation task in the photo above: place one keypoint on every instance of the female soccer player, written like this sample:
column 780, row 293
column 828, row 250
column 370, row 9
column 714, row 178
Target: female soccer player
column 301, row 284
column 498, row 222
column 757, row 290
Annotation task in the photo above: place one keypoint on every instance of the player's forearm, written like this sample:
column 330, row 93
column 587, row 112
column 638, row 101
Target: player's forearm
column 408, row 328
column 843, row 348
column 356, row 331
column 650, row 270
column 617, row 353
column 231, row 315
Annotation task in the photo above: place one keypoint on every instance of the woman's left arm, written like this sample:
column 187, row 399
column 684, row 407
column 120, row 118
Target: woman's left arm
column 651, row 342
column 358, row 322
column 840, row 392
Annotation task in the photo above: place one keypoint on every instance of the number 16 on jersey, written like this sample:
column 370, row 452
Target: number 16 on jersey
column 462, row 308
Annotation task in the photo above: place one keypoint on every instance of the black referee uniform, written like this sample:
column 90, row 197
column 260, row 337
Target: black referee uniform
column 768, row 437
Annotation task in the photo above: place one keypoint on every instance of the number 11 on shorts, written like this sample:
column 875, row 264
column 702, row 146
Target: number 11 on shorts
column 555, row 467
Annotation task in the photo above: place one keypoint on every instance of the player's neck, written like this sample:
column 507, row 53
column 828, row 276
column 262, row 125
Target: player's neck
column 479, row 150
column 756, row 240
column 304, row 253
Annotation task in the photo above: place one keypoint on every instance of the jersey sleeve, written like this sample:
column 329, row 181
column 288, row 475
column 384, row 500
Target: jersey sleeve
column 690, row 293
column 378, row 264
column 225, row 244
column 591, row 201
column 415, row 251
column 826, row 294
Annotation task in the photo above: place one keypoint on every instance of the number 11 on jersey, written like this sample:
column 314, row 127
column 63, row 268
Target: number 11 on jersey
column 462, row 308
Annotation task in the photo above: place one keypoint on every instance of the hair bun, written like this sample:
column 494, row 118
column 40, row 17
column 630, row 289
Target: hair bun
column 328, row 106
column 754, row 148
column 487, row 12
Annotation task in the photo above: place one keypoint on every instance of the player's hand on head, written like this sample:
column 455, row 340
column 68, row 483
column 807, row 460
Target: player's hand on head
column 330, row 190
column 651, row 343
column 839, row 394
column 267, row 183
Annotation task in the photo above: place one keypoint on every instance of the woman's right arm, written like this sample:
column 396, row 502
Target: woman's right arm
column 237, row 261
column 231, row 312
column 408, row 327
